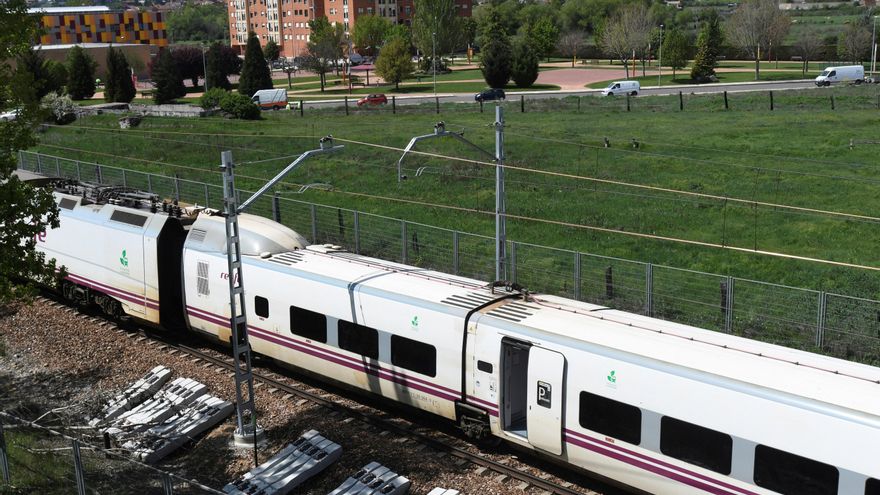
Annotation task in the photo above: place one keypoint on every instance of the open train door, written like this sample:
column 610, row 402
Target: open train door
column 546, row 393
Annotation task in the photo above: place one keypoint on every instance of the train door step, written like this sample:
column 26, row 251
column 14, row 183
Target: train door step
column 161, row 440
column 136, row 393
column 373, row 479
column 443, row 491
column 293, row 465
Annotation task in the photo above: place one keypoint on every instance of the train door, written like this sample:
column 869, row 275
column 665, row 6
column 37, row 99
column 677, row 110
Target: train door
column 532, row 394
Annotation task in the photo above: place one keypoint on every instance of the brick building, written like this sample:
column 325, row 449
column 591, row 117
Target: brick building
column 65, row 25
column 286, row 21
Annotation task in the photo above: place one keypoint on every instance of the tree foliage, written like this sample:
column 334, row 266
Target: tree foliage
column 436, row 26
column 255, row 73
column 394, row 63
column 324, row 47
column 198, row 22
column 272, row 51
column 190, row 62
column 167, row 79
column 524, row 68
column 627, row 33
column 571, row 43
column 708, row 46
column 221, row 61
column 119, row 86
column 495, row 62
column 808, row 47
column 48, row 76
column 369, row 33
column 586, row 15
column 675, row 49
column 80, row 74
column 542, row 35
column 239, row 106
column 854, row 43
column 26, row 211
column 755, row 26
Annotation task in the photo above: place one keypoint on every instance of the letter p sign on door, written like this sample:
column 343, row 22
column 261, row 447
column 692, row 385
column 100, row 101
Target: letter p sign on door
column 544, row 390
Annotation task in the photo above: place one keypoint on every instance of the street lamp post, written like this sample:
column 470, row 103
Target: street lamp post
column 660, row 59
column 434, row 59
column 874, row 47
column 205, row 68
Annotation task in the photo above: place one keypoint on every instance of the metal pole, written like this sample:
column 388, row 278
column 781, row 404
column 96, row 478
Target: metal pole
column 357, row 232
column 204, row 68
column 403, row 250
column 500, row 219
column 314, row 214
column 4, row 461
column 874, row 47
column 649, row 289
column 434, row 57
column 455, row 262
column 660, row 59
column 577, row 275
column 78, row 469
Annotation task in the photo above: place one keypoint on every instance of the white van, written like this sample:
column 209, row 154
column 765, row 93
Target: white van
column 270, row 99
column 846, row 73
column 622, row 88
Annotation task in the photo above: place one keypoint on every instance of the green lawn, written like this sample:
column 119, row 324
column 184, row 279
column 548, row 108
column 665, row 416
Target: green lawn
column 796, row 155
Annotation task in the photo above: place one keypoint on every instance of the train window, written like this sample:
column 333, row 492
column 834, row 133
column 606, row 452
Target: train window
column 261, row 306
column 872, row 487
column 359, row 339
column 484, row 366
column 789, row 473
column 308, row 324
column 414, row 355
column 610, row 417
column 697, row 445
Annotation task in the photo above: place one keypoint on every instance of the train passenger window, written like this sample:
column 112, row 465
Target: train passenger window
column 308, row 324
column 789, row 473
column 261, row 306
column 359, row 339
column 697, row 445
column 610, row 417
column 414, row 355
column 872, row 487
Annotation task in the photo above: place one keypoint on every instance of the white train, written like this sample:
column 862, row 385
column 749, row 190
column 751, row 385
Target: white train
column 653, row 405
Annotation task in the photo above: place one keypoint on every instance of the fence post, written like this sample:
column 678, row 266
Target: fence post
column 832, row 102
column 301, row 108
column 728, row 320
column 78, row 172
column 177, row 187
column 649, row 289
column 276, row 207
column 627, row 102
column 357, row 232
column 522, row 103
column 771, row 101
column 207, row 196
column 393, row 104
column 149, row 180
column 820, row 319
column 512, row 262
column 77, row 466
column 579, row 103
column 346, row 105
column 57, row 167
column 99, row 175
column 577, row 275
column 124, row 180
column 167, row 484
column 609, row 282
column 455, row 266
column 481, row 106
column 403, row 247
column 4, row 461
column 437, row 104
column 39, row 163
column 725, row 101
column 314, row 223
column 680, row 102
column 21, row 159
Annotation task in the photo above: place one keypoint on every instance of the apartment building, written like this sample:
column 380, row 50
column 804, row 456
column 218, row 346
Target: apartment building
column 287, row 21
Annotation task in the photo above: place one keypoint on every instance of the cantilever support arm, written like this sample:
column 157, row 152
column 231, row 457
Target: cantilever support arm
column 439, row 131
column 296, row 163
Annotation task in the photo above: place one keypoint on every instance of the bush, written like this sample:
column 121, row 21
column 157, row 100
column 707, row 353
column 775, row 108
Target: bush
column 239, row 106
column 211, row 99
column 61, row 109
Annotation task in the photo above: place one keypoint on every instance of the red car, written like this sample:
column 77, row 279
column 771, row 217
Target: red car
column 377, row 99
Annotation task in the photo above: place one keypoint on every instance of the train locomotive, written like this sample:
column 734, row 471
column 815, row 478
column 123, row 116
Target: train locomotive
column 656, row 406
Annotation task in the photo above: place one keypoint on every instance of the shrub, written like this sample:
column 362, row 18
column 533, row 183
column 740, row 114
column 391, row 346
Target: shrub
column 239, row 106
column 211, row 99
column 61, row 109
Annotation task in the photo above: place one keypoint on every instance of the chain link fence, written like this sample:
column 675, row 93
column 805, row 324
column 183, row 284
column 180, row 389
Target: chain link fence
column 833, row 324
column 36, row 459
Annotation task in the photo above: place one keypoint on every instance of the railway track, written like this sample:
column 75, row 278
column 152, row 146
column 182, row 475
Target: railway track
column 371, row 417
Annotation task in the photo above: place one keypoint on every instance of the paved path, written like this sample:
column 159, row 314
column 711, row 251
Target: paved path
column 569, row 79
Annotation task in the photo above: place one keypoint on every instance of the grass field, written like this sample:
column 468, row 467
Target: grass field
column 797, row 155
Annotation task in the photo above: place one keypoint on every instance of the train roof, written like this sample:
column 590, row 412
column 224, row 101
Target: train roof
column 798, row 373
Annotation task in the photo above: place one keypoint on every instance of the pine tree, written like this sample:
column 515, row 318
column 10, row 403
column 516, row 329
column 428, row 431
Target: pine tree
column 708, row 47
column 524, row 69
column 495, row 62
column 219, row 67
column 119, row 86
column 255, row 73
column 166, row 78
column 81, row 74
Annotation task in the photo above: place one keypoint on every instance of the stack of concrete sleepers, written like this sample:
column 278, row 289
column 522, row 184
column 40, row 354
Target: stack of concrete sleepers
column 134, row 395
column 374, row 479
column 164, row 404
column 293, row 465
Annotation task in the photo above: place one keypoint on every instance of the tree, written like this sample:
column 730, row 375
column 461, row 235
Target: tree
column 272, row 51
column 436, row 26
column 570, row 44
column 221, row 62
column 401, row 31
column 809, row 47
column 495, row 62
column 755, row 26
column 675, row 49
column 255, row 73
column 627, row 32
column 394, row 63
column 708, row 45
column 323, row 48
column 166, row 78
column 26, row 211
column 370, row 32
column 119, row 85
column 192, row 22
column 586, row 15
column 490, row 26
column 190, row 62
column 81, row 74
column 524, row 69
column 542, row 35
column 854, row 42
column 48, row 76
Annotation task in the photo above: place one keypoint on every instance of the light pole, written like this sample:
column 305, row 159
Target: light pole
column 204, row 68
column 874, row 47
column 434, row 59
column 660, row 59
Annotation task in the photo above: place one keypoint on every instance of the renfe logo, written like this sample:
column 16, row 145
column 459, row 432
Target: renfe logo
column 544, row 398
column 225, row 276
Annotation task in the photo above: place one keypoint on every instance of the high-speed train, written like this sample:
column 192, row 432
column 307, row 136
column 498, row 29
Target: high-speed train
column 656, row 406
